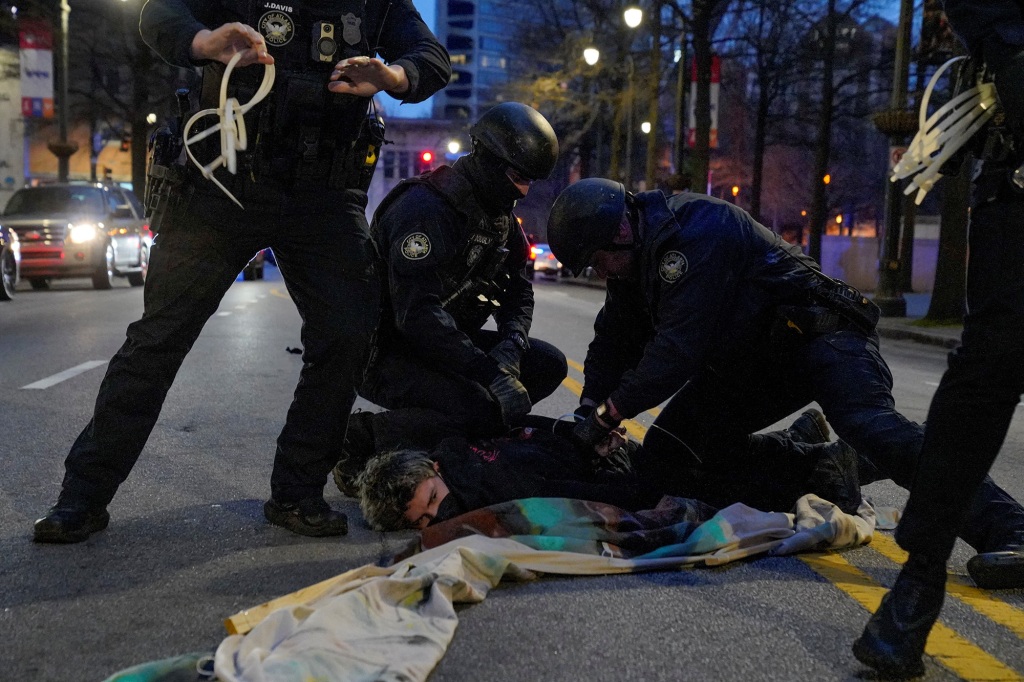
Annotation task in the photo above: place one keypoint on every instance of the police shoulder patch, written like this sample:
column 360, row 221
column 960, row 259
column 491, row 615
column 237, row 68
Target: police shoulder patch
column 673, row 266
column 416, row 246
column 277, row 28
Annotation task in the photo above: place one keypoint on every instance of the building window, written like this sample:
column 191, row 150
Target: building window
column 459, row 8
column 389, row 164
column 458, row 93
column 460, row 59
column 466, row 24
column 456, row 111
column 404, row 165
column 489, row 62
column 462, row 78
column 459, row 43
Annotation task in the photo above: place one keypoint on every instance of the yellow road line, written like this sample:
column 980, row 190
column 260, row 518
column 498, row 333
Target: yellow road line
column 964, row 658
column 953, row 651
column 280, row 293
column 982, row 601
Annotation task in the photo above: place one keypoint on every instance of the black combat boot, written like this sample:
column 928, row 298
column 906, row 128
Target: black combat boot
column 311, row 516
column 69, row 522
column 834, row 477
column 1002, row 570
column 359, row 447
column 810, row 427
column 893, row 640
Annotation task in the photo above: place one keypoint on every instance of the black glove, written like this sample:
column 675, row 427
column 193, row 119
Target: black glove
column 591, row 431
column 1009, row 80
column 512, row 398
column 583, row 411
column 507, row 354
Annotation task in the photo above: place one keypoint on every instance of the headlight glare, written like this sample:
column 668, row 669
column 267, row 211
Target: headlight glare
column 80, row 234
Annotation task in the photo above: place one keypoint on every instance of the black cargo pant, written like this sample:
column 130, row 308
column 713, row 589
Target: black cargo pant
column 321, row 242
column 845, row 373
column 978, row 395
column 427, row 403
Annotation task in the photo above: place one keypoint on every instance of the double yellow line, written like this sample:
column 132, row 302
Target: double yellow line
column 962, row 657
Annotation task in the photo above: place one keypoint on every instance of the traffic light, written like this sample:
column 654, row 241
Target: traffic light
column 126, row 142
column 424, row 162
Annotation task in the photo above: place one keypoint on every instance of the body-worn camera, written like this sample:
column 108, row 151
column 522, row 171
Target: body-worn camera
column 323, row 46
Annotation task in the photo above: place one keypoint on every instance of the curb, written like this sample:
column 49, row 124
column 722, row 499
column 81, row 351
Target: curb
column 902, row 333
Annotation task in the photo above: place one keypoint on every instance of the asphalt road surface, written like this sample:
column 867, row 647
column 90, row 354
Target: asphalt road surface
column 187, row 543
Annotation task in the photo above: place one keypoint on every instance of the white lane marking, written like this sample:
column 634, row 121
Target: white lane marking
column 239, row 307
column 224, row 314
column 931, row 383
column 66, row 374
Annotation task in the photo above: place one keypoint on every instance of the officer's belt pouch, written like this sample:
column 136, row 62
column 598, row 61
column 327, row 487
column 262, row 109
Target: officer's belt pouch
column 794, row 323
column 850, row 304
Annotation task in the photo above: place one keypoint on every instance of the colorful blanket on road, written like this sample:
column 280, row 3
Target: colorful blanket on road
column 395, row 623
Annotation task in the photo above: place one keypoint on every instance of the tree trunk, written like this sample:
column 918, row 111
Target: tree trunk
column 653, row 106
column 823, row 138
column 701, row 160
column 757, row 172
column 948, row 294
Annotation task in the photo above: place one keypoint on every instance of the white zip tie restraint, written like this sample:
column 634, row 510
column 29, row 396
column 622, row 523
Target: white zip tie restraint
column 231, row 126
column 942, row 134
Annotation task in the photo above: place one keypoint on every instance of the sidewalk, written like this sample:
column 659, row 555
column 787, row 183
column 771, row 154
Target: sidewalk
column 907, row 328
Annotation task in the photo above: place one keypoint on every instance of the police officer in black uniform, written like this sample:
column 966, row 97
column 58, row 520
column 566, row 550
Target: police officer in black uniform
column 455, row 257
column 972, row 408
column 303, row 186
column 735, row 327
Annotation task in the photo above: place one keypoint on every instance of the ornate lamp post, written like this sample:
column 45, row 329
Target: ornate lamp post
column 898, row 123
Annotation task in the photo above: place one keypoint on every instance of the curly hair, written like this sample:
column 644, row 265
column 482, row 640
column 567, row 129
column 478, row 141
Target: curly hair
column 387, row 485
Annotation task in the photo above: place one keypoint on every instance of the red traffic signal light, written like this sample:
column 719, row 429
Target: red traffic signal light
column 425, row 161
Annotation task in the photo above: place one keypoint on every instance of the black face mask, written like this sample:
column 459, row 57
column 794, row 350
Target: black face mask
column 486, row 172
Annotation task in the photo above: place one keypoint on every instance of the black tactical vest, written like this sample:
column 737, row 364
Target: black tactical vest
column 479, row 269
column 301, row 131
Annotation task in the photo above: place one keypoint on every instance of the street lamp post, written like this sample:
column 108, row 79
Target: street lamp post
column 897, row 123
column 62, row 148
column 629, row 121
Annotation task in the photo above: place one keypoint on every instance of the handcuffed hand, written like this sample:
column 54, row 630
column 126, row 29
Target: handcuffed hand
column 512, row 398
column 507, row 354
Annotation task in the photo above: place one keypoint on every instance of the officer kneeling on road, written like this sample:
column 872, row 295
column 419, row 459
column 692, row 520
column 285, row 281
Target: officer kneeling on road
column 736, row 328
column 300, row 188
column 455, row 257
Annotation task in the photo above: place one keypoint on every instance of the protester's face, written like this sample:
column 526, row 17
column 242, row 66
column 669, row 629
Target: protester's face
column 422, row 508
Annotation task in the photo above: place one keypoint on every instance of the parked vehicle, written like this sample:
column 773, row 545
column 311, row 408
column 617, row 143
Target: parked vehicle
column 543, row 261
column 80, row 230
column 10, row 262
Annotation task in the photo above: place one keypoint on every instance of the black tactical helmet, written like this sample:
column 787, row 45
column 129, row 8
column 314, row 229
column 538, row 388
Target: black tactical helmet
column 584, row 219
column 519, row 136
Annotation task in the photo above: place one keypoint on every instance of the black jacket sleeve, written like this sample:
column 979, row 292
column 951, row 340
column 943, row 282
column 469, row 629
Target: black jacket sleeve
column 620, row 332
column 416, row 289
column 407, row 42
column 168, row 27
column 995, row 25
column 690, row 311
column 516, row 311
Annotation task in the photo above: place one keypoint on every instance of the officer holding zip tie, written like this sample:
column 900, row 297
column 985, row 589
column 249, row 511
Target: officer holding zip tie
column 280, row 155
column 736, row 328
column 977, row 398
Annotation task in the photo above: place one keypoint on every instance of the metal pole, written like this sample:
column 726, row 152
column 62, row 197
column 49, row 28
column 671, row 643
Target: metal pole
column 679, row 144
column 63, row 160
column 889, row 296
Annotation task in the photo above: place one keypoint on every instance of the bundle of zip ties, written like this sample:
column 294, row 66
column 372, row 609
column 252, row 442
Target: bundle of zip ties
column 231, row 126
column 942, row 134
